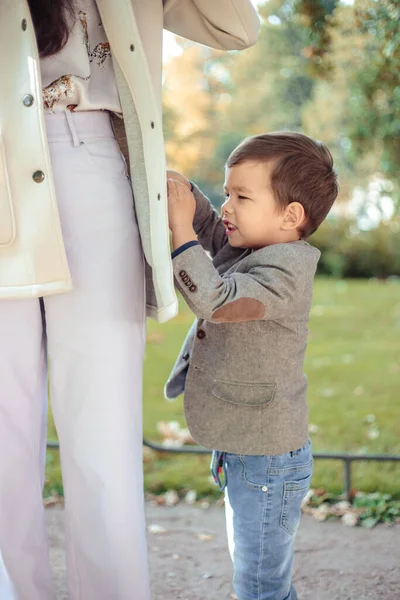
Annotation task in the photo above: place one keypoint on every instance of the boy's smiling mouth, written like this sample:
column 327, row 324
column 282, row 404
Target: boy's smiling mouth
column 229, row 227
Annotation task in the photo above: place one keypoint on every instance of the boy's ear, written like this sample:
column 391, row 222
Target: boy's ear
column 294, row 216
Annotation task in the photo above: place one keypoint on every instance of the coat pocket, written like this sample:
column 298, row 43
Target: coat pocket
column 248, row 394
column 7, row 219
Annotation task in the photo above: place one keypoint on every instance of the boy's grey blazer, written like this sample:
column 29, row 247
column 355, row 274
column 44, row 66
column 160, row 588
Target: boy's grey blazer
column 241, row 366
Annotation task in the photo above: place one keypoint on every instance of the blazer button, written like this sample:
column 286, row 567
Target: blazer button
column 193, row 288
column 182, row 274
column 186, row 356
column 201, row 334
column 185, row 279
column 38, row 176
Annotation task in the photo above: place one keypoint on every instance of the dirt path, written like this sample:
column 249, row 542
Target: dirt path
column 190, row 561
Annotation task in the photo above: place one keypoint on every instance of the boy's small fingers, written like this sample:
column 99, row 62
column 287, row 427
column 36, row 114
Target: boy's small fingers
column 171, row 185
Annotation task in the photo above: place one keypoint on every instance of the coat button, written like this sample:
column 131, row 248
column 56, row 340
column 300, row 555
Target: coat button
column 193, row 288
column 185, row 278
column 38, row 176
column 24, row 24
column 186, row 356
column 28, row 100
column 182, row 274
column 201, row 334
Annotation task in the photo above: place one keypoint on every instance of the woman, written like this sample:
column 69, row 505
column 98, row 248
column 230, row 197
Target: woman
column 72, row 272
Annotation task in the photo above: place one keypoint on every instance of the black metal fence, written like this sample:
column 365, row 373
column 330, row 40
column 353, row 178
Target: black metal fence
column 347, row 459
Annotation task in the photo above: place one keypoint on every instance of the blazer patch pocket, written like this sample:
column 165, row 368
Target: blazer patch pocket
column 248, row 394
column 7, row 220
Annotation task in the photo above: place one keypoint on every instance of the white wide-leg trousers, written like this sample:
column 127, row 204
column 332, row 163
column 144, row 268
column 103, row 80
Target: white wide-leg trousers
column 95, row 344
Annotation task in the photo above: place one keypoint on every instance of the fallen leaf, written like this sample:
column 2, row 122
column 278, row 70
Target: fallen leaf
column 53, row 501
column 171, row 498
column 347, row 359
column 313, row 428
column 173, row 434
column 373, row 433
column 307, row 498
column 322, row 512
column 328, row 392
column 350, row 519
column 155, row 337
column 191, row 497
column 205, row 537
column 148, row 455
column 156, row 529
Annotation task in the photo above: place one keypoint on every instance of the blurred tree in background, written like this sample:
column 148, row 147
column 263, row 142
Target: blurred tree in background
column 329, row 68
column 357, row 48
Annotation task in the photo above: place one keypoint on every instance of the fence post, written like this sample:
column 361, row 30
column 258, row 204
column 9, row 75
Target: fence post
column 347, row 478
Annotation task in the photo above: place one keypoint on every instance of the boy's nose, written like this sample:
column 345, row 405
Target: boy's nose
column 226, row 207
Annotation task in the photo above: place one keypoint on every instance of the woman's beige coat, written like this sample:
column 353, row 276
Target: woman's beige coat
column 32, row 255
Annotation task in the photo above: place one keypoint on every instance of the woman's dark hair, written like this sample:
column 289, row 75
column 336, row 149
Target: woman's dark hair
column 50, row 19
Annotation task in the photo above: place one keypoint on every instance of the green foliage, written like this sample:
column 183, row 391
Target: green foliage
column 316, row 17
column 373, row 103
column 377, row 85
column 377, row 508
column 369, row 509
column 348, row 252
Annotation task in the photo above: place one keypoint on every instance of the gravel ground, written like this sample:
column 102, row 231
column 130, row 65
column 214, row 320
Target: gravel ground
column 190, row 561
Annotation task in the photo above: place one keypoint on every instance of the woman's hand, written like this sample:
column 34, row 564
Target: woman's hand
column 181, row 210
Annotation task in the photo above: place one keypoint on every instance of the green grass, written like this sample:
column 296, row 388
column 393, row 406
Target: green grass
column 353, row 365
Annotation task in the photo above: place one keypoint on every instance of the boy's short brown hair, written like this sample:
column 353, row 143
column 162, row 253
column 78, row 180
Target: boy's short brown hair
column 303, row 172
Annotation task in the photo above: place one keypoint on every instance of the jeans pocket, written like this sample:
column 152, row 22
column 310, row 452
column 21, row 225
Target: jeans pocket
column 254, row 471
column 294, row 492
column 105, row 157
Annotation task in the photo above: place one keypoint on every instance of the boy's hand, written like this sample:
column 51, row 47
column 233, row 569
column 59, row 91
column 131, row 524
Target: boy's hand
column 181, row 210
column 178, row 177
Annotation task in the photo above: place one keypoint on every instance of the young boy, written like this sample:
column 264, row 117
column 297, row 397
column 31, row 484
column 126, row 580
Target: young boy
column 241, row 367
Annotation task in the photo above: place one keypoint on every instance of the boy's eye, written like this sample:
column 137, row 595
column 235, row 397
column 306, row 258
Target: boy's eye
column 243, row 197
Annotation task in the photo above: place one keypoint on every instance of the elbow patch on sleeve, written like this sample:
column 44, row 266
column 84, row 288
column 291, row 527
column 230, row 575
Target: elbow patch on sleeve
column 243, row 309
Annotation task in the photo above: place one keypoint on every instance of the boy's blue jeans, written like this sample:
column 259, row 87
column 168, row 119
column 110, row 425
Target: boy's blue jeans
column 263, row 506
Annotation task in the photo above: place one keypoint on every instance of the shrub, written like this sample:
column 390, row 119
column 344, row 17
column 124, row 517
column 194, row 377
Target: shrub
column 350, row 252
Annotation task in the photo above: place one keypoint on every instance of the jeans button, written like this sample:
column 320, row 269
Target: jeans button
column 264, row 488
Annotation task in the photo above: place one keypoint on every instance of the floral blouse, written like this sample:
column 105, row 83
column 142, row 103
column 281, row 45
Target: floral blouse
column 81, row 77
